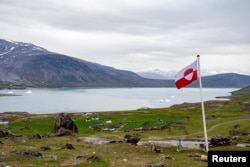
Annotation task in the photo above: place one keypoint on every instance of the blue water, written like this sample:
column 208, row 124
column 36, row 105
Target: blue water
column 102, row 99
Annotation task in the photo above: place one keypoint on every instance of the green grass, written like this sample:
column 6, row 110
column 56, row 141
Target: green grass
column 121, row 154
column 222, row 117
column 128, row 120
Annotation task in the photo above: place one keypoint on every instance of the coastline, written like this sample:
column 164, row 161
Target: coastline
column 8, row 94
column 179, row 105
column 223, row 97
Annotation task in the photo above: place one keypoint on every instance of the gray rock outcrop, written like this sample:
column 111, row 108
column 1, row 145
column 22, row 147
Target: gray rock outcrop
column 64, row 126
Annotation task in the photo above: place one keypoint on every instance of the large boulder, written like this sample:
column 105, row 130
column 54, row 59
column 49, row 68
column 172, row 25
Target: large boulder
column 64, row 126
column 131, row 139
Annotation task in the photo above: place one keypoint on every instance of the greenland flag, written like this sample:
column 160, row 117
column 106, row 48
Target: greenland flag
column 186, row 76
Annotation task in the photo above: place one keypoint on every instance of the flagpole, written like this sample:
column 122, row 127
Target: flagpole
column 202, row 104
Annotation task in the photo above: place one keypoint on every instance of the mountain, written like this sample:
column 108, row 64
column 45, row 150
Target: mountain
column 226, row 80
column 29, row 65
column 157, row 74
column 214, row 81
column 24, row 64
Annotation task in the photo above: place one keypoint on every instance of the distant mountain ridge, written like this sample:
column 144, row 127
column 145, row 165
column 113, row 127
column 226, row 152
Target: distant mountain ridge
column 226, row 80
column 217, row 80
column 30, row 65
column 33, row 66
column 157, row 74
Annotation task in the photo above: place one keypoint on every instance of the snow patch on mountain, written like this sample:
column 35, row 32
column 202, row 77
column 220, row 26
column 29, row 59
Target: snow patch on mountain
column 157, row 74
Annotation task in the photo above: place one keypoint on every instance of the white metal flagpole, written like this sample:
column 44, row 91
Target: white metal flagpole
column 202, row 104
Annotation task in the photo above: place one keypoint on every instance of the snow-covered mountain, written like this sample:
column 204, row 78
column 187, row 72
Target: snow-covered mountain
column 19, row 48
column 157, row 74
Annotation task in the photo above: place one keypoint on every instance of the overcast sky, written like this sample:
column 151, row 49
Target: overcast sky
column 136, row 35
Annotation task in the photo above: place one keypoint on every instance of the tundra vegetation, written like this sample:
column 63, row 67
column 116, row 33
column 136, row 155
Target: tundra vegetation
column 27, row 139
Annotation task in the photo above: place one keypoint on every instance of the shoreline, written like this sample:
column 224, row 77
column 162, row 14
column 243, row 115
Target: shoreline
column 181, row 105
column 8, row 94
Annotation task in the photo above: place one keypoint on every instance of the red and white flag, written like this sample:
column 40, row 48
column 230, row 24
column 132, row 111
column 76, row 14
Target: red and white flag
column 187, row 75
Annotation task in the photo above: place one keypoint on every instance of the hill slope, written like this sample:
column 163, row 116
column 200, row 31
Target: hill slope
column 225, row 80
column 30, row 65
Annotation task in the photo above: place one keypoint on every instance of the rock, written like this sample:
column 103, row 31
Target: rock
column 156, row 165
column 94, row 158
column 64, row 126
column 35, row 136
column 166, row 157
column 44, row 148
column 68, row 146
column 45, row 135
column 80, row 157
column 221, row 140
column 131, row 139
column 30, row 153
column 64, row 132
column 112, row 141
column 237, row 133
column 204, row 158
column 6, row 134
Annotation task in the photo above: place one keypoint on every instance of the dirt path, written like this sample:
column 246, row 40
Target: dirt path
column 201, row 132
column 189, row 143
column 215, row 126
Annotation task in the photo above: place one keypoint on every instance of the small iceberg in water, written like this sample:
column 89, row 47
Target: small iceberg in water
column 163, row 100
column 10, row 92
column 29, row 92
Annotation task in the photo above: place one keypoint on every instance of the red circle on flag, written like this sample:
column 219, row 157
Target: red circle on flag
column 188, row 74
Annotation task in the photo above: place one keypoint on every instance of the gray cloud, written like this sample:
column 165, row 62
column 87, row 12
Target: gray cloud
column 136, row 35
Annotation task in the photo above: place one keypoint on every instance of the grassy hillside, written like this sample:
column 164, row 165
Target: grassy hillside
column 180, row 121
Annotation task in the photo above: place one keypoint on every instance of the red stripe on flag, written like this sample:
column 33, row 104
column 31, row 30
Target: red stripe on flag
column 182, row 82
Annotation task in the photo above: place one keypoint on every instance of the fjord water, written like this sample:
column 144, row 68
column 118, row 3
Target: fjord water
column 103, row 99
